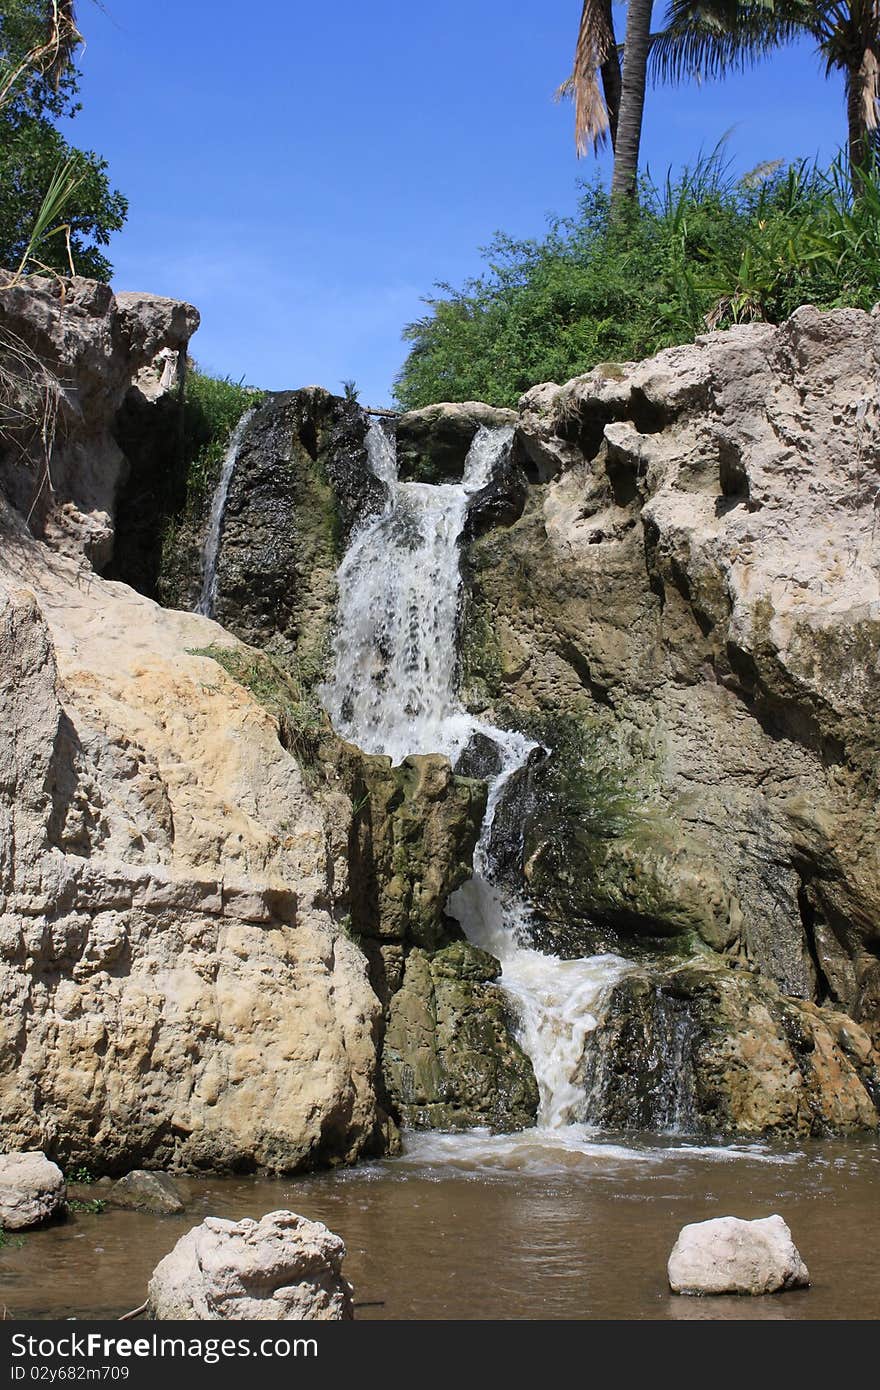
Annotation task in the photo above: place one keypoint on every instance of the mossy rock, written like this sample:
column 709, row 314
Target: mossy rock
column 450, row 1058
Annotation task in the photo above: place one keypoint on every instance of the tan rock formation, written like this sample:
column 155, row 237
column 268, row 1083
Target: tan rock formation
column 689, row 609
column 175, row 986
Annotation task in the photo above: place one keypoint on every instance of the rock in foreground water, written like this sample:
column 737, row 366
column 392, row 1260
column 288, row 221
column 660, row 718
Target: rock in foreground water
column 32, row 1190
column 146, row 1191
column 728, row 1255
column 282, row 1267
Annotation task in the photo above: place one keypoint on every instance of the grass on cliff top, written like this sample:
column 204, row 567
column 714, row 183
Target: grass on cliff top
column 706, row 250
column 290, row 697
column 213, row 407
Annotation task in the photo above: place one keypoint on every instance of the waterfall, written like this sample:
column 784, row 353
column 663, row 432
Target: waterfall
column 393, row 691
column 211, row 547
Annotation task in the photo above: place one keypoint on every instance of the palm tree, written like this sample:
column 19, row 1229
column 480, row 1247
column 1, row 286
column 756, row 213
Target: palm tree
column 619, row 106
column 712, row 38
column 636, row 49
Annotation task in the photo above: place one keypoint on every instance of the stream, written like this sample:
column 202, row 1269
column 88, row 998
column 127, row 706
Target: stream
column 445, row 1232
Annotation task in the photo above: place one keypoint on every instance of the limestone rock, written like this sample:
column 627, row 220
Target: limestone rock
column 32, row 1190
column 281, row 1267
column 147, row 1191
column 687, row 614
column 167, row 892
column 411, row 846
column 728, row 1255
column 433, row 443
column 95, row 346
column 701, row 1048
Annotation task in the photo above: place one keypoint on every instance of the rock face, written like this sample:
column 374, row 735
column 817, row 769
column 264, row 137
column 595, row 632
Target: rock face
column 732, row 1256
column 282, row 1267
column 32, row 1191
column 704, row 1048
column 450, row 1060
column 433, row 443
column 301, row 482
column 168, row 937
column 687, row 614
column 206, row 900
column 81, row 348
column 144, row 1191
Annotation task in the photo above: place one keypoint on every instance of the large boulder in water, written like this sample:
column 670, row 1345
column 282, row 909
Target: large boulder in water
column 728, row 1255
column 282, row 1267
column 32, row 1190
column 142, row 1190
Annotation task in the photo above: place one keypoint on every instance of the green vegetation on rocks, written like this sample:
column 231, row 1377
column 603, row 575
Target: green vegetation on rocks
column 704, row 250
column 33, row 150
column 289, row 697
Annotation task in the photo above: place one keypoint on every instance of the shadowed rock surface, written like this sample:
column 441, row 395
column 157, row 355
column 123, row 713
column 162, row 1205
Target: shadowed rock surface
column 433, row 443
column 145, row 1191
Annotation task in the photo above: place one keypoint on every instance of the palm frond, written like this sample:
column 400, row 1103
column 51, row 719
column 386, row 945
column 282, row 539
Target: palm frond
column 595, row 44
column 707, row 41
column 62, row 39
column 52, row 56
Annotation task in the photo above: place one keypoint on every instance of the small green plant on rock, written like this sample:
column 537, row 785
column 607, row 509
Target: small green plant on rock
column 81, row 1176
column 93, row 1207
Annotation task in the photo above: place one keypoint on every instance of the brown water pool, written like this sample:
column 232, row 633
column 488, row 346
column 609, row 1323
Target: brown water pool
column 532, row 1227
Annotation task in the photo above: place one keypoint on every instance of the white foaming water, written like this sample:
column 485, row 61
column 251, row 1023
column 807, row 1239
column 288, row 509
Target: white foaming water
column 211, row 547
column 393, row 692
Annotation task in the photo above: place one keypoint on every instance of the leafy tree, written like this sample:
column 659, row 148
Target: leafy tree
column 39, row 84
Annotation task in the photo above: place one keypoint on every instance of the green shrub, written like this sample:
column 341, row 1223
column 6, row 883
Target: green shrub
column 213, row 407
column 704, row 250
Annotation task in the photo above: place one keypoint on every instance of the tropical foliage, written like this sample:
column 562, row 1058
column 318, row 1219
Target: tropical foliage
column 38, row 85
column 701, row 251
column 708, row 38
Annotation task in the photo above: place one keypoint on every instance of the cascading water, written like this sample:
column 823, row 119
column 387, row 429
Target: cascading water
column 393, row 692
column 211, row 547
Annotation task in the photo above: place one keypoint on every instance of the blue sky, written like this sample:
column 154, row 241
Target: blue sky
column 304, row 173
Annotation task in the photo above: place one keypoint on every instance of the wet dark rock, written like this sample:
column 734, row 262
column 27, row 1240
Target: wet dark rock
column 480, row 757
column 515, row 806
column 433, row 443
column 702, row 1048
column 501, row 502
column 410, row 845
column 301, row 482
